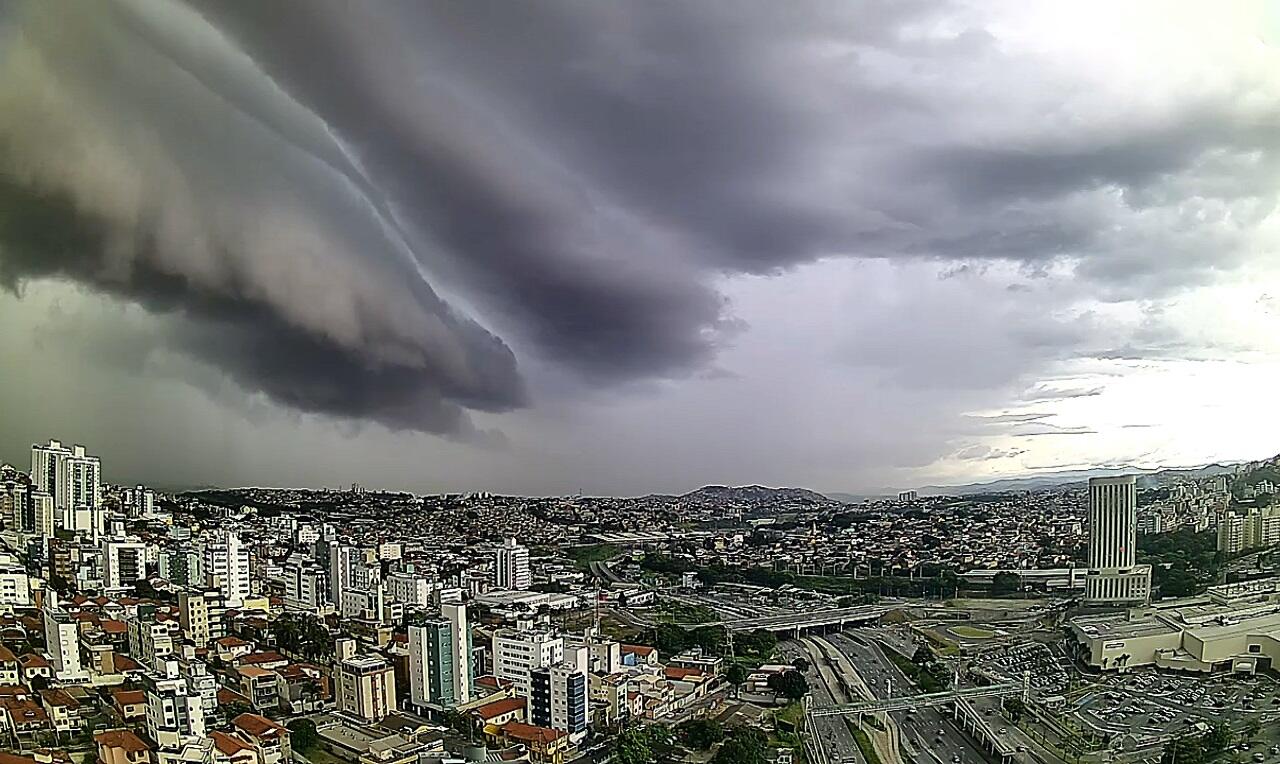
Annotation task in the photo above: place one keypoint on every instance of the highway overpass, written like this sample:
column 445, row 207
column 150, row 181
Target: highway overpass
column 796, row 623
column 907, row 702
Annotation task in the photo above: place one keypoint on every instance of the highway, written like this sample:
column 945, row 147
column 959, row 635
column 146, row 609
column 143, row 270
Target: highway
column 830, row 735
column 928, row 735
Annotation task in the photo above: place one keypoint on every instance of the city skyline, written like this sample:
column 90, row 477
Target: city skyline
column 623, row 250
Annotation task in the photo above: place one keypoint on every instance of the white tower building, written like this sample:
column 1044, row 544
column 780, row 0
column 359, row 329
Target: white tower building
column 225, row 564
column 513, row 566
column 1114, row 577
column 69, row 475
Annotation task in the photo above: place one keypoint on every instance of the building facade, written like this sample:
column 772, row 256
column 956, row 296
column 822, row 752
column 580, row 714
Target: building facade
column 513, row 566
column 517, row 653
column 365, row 687
column 225, row 565
column 1114, row 576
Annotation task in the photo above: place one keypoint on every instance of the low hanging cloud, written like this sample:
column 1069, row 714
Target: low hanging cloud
column 386, row 211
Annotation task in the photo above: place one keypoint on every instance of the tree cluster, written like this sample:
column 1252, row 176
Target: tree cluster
column 789, row 684
column 1197, row 749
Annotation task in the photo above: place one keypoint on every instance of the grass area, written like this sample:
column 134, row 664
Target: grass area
column 789, row 740
column 791, row 714
column 922, row 676
column 971, row 632
column 943, row 645
column 864, row 743
column 583, row 556
column 672, row 611
column 616, row 628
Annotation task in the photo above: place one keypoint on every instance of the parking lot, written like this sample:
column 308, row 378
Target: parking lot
column 1050, row 674
column 1146, row 705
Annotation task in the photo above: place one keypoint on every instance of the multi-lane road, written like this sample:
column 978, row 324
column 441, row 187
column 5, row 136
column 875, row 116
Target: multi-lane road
column 830, row 735
column 925, row 735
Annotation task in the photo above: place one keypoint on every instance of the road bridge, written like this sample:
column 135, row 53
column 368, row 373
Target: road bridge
column 797, row 623
column 907, row 702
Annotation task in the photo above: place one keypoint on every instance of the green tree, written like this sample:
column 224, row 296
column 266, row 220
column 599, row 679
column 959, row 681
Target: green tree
column 1015, row 708
column 1216, row 740
column 1252, row 728
column 1005, row 583
column 700, row 733
column 641, row 745
column 746, row 746
column 302, row 735
column 736, row 674
column 801, row 663
column 789, row 684
column 1183, row 750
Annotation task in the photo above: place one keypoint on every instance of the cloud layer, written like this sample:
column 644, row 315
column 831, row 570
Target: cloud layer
column 416, row 213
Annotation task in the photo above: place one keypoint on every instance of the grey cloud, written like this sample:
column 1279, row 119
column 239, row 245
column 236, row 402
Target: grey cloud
column 275, row 268
column 1050, row 393
column 1007, row 418
column 980, row 452
column 1037, row 429
column 372, row 210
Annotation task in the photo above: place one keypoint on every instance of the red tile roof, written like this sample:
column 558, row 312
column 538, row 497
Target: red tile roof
column 499, row 708
column 489, row 680
column 677, row 673
column 267, row 656
column 125, row 663
column 226, row 696
column 121, row 739
column 228, row 744
column 56, row 697
column 259, row 726
column 128, row 697
column 530, row 733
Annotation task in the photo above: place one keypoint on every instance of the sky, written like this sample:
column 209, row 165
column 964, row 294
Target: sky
column 627, row 247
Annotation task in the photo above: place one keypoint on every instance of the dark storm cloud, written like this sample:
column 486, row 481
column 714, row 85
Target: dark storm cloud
column 43, row 236
column 372, row 209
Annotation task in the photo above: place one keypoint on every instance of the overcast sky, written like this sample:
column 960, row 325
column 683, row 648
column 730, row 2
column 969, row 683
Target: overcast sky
column 629, row 247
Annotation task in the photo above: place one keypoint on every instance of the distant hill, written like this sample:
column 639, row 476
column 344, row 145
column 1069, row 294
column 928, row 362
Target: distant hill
column 753, row 495
column 1147, row 478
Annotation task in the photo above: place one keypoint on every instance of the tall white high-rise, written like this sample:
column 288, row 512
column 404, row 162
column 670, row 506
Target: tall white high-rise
column 175, row 711
column 355, row 581
column 225, row 564
column 440, row 659
column 460, row 630
column 1114, row 576
column 70, row 475
column 124, row 562
column 44, row 465
column 513, row 566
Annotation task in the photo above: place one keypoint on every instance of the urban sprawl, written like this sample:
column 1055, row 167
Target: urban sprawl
column 1117, row 618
